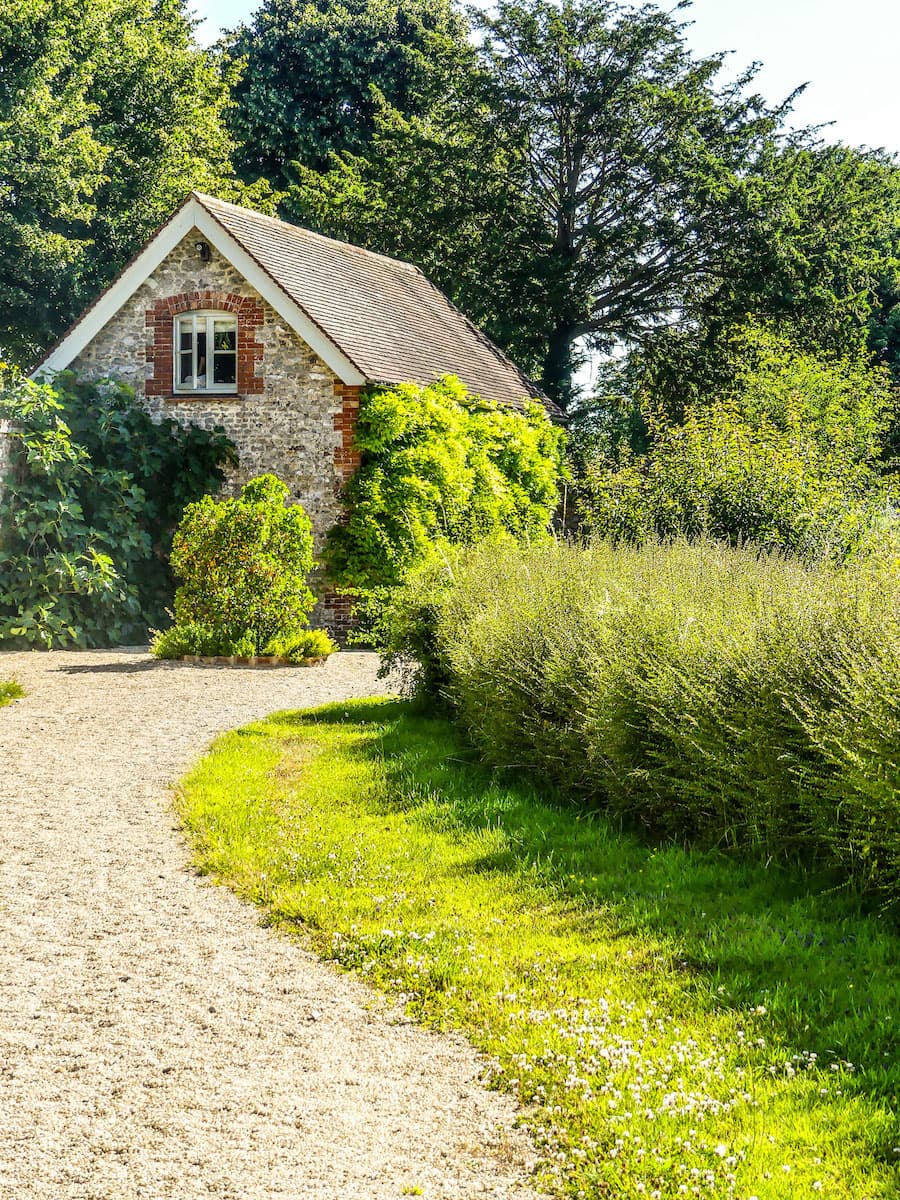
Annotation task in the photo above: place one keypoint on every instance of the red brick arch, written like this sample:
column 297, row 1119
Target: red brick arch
column 160, row 318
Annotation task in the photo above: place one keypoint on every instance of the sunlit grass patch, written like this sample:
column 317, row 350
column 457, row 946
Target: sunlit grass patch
column 678, row 1023
column 10, row 691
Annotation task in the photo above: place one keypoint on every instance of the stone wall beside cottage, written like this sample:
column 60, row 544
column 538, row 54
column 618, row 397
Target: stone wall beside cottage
column 291, row 416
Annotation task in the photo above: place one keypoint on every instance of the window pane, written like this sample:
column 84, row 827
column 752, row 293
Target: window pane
column 205, row 352
column 225, row 335
column 200, row 381
column 224, row 367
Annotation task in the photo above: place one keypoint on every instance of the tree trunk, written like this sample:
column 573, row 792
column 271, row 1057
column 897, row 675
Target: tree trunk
column 559, row 366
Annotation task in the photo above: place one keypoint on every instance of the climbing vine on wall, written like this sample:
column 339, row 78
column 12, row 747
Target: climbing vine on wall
column 440, row 466
column 88, row 509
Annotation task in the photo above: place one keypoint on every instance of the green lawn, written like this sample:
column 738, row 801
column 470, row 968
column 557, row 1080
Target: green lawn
column 10, row 691
column 679, row 1023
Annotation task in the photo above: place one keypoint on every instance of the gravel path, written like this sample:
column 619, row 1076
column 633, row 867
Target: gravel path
column 155, row 1041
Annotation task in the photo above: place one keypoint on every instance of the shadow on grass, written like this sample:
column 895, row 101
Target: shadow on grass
column 740, row 933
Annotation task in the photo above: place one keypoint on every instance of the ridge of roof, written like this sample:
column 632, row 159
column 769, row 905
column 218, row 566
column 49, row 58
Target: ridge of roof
column 293, row 230
column 205, row 201
column 387, row 316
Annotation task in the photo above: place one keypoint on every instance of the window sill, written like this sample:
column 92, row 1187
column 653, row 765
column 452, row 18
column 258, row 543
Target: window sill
column 179, row 397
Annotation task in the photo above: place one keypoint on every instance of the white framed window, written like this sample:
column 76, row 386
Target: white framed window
column 205, row 352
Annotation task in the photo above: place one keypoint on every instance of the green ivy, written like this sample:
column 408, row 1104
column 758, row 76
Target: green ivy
column 87, row 513
column 440, row 466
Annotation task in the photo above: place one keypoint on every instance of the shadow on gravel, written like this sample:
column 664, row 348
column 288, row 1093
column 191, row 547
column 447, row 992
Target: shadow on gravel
column 120, row 668
column 156, row 664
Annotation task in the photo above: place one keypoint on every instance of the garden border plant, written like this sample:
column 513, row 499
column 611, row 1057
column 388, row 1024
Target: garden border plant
column 722, row 695
column 244, row 562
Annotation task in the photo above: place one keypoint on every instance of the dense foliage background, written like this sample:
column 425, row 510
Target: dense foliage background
column 88, row 512
column 789, row 453
column 109, row 114
column 570, row 173
column 577, row 180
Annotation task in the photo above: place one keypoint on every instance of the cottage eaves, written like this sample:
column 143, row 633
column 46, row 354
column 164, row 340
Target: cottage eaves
column 372, row 319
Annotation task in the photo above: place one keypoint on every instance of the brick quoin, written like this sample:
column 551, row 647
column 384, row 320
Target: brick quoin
column 161, row 317
column 337, row 610
column 346, row 456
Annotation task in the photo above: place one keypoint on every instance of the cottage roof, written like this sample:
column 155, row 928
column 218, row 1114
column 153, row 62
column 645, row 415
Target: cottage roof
column 371, row 318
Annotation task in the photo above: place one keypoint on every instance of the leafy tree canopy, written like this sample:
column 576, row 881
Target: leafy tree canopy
column 109, row 115
column 574, row 185
column 312, row 75
column 818, row 262
column 585, row 181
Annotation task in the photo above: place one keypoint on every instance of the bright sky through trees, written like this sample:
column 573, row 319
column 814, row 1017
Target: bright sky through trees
column 846, row 52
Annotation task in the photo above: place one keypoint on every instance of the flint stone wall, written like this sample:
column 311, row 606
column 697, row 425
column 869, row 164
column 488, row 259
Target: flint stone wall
column 291, row 427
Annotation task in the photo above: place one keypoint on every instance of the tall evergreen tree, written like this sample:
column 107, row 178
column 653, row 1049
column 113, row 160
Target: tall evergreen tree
column 313, row 74
column 586, row 167
column 109, row 114
column 817, row 262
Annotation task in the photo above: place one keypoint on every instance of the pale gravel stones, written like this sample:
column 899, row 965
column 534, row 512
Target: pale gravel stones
column 155, row 1041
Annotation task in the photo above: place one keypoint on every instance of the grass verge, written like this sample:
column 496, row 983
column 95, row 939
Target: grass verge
column 10, row 691
column 677, row 1023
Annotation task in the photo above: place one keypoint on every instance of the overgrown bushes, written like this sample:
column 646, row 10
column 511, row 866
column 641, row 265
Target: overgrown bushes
column 788, row 458
column 717, row 694
column 440, row 467
column 87, row 514
column 243, row 562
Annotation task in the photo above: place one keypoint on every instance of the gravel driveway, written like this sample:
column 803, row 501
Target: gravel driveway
column 155, row 1041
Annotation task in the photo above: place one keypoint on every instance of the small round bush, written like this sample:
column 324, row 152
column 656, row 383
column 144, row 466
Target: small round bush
column 244, row 562
column 302, row 645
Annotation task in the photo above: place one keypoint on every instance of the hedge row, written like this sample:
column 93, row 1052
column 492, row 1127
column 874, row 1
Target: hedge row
column 714, row 694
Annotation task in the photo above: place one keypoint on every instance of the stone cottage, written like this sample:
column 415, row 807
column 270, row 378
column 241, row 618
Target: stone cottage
column 228, row 317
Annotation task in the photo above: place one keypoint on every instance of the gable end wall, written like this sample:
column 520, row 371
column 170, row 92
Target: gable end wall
column 290, row 415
